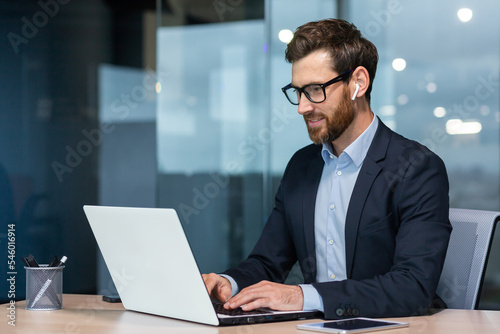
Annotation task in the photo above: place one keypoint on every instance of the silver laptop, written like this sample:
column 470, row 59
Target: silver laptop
column 154, row 270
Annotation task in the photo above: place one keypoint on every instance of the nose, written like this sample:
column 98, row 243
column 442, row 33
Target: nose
column 305, row 106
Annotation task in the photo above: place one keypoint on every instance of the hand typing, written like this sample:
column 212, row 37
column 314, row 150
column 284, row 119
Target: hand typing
column 218, row 287
column 275, row 296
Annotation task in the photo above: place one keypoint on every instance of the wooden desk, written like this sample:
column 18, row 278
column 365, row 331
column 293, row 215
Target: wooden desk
column 89, row 314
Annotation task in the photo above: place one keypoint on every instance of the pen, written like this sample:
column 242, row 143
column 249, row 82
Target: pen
column 47, row 283
column 54, row 262
column 31, row 261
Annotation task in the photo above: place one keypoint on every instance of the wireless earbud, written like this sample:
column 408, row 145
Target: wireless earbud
column 355, row 92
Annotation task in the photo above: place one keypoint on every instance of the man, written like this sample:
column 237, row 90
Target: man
column 364, row 211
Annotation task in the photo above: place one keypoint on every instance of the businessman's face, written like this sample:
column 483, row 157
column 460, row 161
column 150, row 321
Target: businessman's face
column 328, row 120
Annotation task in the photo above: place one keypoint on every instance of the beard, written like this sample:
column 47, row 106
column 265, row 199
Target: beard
column 336, row 122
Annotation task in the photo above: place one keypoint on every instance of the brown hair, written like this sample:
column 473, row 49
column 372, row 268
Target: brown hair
column 343, row 41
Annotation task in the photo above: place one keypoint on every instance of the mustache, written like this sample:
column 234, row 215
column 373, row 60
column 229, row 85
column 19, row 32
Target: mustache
column 315, row 115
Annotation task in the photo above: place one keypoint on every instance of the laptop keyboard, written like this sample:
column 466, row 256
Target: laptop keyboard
column 219, row 308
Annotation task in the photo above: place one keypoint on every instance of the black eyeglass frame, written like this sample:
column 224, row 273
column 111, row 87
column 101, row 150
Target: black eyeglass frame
column 301, row 90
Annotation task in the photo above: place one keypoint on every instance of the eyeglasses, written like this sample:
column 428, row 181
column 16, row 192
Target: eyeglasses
column 314, row 92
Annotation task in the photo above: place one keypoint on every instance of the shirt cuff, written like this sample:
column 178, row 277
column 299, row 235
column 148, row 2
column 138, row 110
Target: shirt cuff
column 234, row 285
column 312, row 299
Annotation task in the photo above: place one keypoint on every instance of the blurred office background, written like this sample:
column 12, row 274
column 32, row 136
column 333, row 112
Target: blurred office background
column 177, row 103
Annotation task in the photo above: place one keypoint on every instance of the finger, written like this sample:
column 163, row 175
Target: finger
column 266, row 294
column 211, row 283
column 224, row 290
column 252, row 301
column 255, row 304
column 218, row 287
column 246, row 296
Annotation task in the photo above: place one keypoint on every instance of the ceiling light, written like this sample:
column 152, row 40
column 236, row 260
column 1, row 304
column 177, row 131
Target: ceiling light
column 458, row 127
column 285, row 36
column 431, row 87
column 402, row 99
column 439, row 112
column 464, row 14
column 399, row 64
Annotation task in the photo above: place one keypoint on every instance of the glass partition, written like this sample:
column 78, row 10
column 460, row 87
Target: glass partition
column 224, row 129
column 210, row 107
column 438, row 83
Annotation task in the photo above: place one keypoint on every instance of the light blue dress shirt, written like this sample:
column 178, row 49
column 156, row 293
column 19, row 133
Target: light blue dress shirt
column 332, row 201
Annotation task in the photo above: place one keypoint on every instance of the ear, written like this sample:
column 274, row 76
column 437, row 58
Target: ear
column 361, row 77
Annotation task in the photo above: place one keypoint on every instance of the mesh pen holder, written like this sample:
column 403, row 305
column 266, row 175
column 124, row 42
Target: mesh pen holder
column 44, row 288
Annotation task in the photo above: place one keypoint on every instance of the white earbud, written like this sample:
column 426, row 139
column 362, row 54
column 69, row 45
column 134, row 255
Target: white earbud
column 355, row 92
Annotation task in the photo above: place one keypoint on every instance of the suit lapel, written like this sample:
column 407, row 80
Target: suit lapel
column 366, row 177
column 312, row 179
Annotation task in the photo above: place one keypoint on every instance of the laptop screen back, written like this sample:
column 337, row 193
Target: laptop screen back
column 151, row 263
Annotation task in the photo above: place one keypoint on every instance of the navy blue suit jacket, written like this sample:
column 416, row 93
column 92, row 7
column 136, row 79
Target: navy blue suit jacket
column 396, row 230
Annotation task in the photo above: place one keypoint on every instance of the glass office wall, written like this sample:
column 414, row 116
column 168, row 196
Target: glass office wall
column 211, row 104
column 47, row 104
column 219, row 128
column 53, row 150
column 438, row 83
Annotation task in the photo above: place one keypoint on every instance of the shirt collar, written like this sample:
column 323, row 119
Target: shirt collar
column 358, row 149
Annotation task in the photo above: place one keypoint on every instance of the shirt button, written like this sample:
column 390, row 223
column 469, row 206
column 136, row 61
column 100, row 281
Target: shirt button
column 339, row 173
column 332, row 206
column 332, row 276
column 331, row 156
column 331, row 242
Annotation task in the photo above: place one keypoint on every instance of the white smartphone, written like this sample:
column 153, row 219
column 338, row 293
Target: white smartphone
column 353, row 325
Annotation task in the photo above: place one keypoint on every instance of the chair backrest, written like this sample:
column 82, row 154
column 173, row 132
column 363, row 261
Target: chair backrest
column 466, row 256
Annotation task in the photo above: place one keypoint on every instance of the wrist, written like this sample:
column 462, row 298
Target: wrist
column 300, row 297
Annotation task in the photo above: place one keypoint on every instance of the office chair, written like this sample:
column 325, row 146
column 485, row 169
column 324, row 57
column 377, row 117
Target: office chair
column 466, row 256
